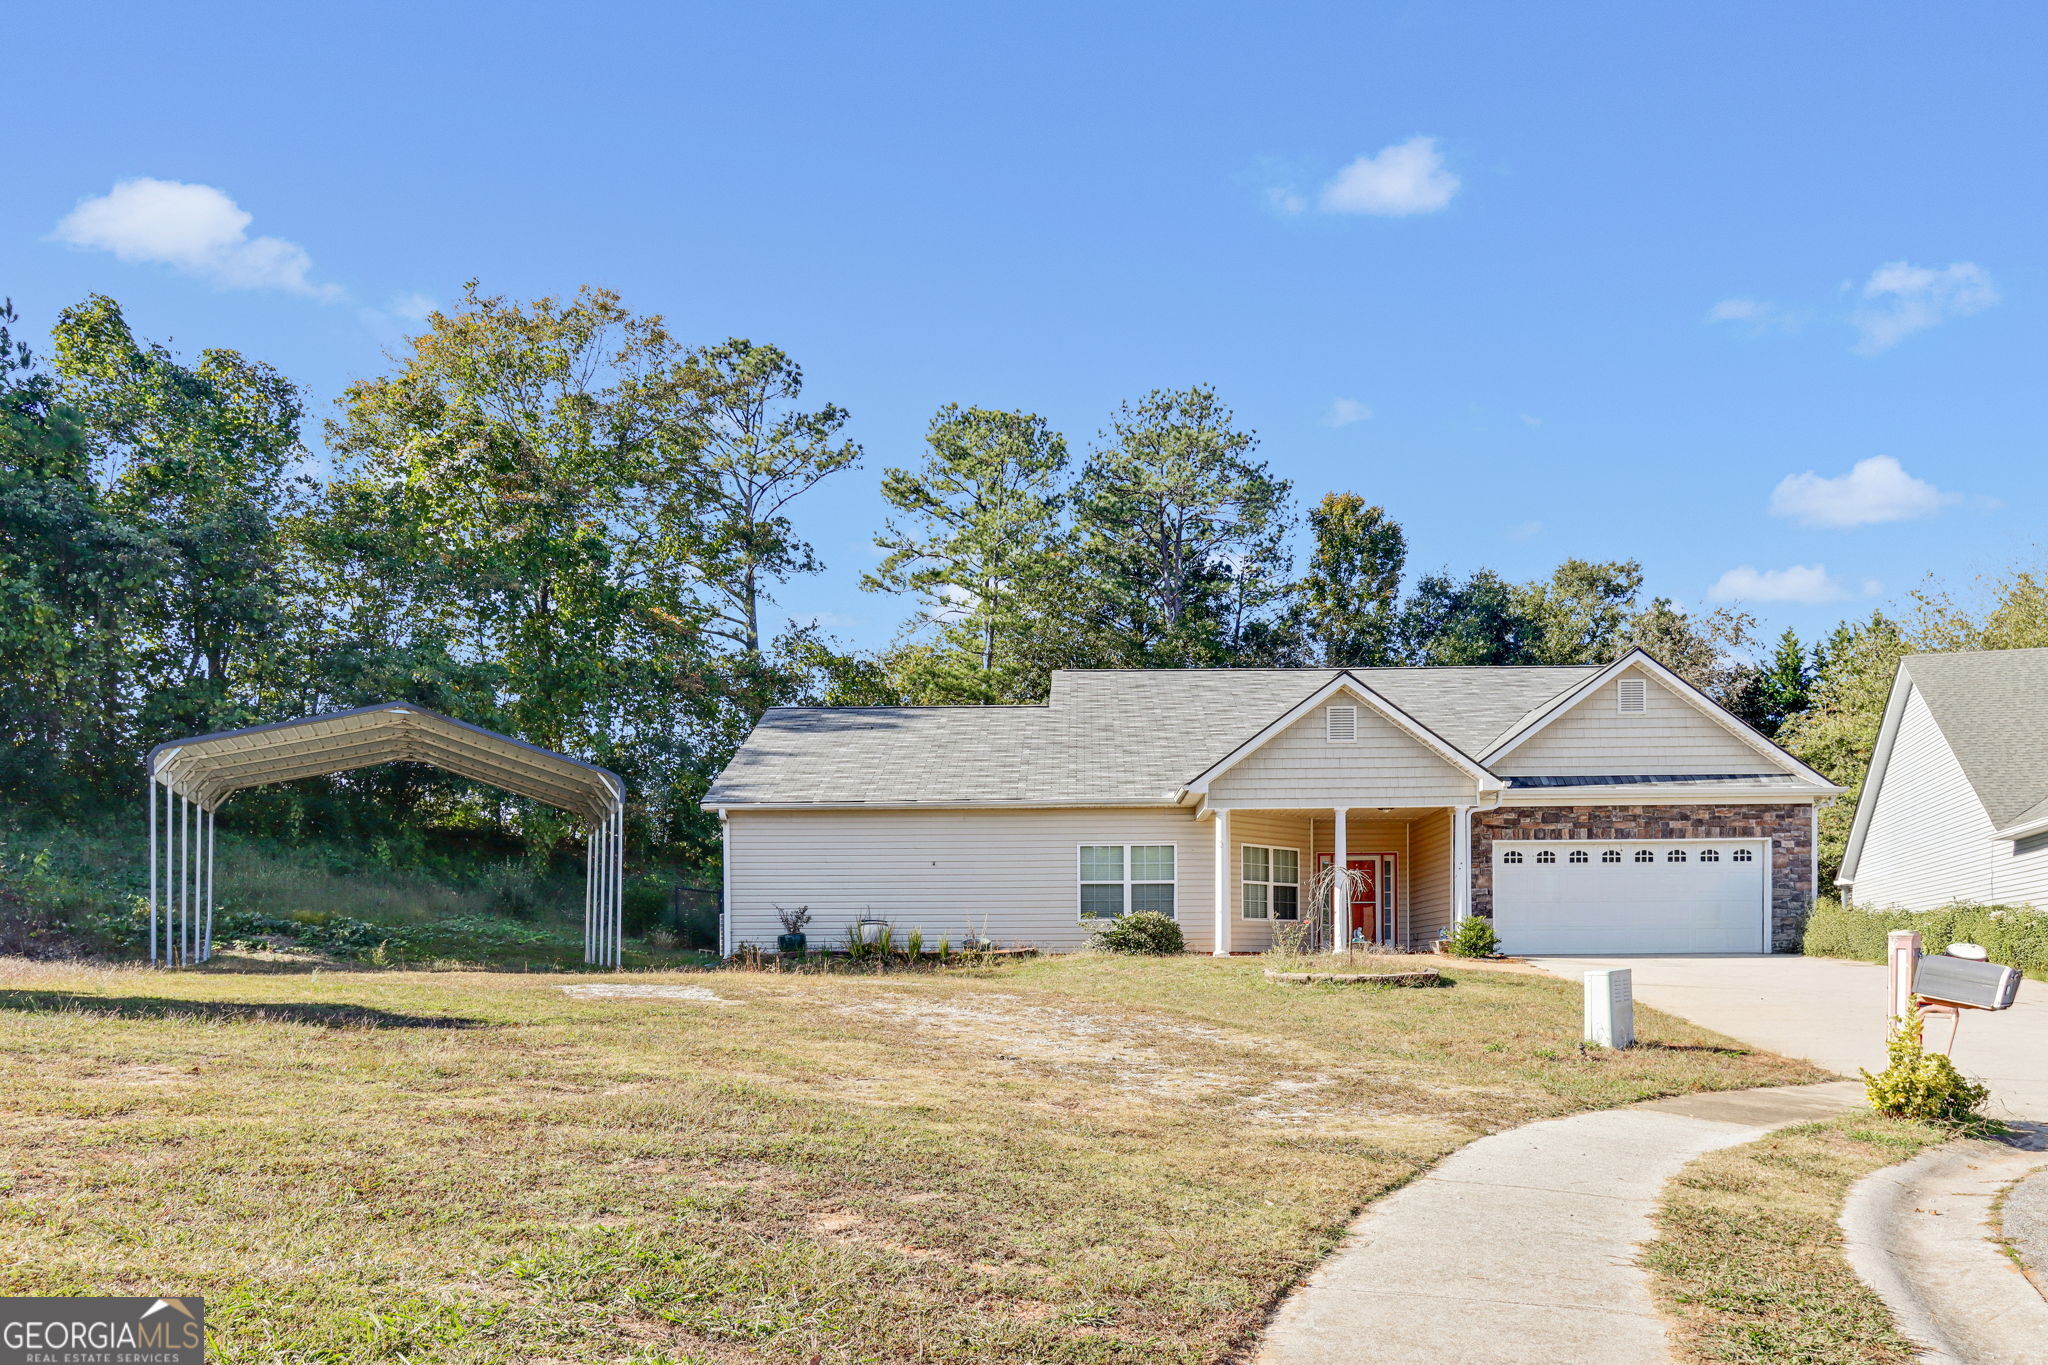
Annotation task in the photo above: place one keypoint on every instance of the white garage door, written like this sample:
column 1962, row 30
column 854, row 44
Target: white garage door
column 1567, row 897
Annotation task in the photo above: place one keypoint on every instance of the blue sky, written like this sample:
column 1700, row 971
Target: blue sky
column 1552, row 280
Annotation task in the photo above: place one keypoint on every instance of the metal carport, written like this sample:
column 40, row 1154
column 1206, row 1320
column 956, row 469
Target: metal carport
column 196, row 776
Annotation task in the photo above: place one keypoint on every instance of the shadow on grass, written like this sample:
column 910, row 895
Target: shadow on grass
column 227, row 1012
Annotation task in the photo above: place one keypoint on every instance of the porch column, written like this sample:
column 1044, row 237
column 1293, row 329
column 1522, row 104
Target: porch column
column 1461, row 863
column 1222, row 948
column 1340, row 886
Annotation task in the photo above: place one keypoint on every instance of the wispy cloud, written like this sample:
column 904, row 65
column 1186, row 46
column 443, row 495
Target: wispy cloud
column 195, row 229
column 1755, row 316
column 1344, row 411
column 1529, row 421
column 1873, row 491
column 1525, row 530
column 1801, row 584
column 1900, row 299
column 1408, row 177
column 1396, row 181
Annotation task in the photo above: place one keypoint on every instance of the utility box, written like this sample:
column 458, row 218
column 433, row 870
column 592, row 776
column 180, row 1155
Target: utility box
column 1611, row 1007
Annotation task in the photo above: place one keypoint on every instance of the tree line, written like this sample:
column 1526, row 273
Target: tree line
column 557, row 519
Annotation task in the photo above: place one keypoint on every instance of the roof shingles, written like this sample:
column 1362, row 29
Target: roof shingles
column 1109, row 737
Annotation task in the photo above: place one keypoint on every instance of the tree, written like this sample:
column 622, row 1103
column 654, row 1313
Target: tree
column 1837, row 732
column 1182, row 554
column 520, row 466
column 744, row 455
column 1350, row 599
column 1709, row 651
column 198, row 463
column 1578, row 615
column 1779, row 689
column 979, row 543
column 1446, row 622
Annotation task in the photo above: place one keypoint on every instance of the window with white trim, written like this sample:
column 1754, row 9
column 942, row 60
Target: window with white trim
column 1272, row 883
column 1710, row 855
column 1579, row 855
column 1643, row 855
column 1612, row 855
column 1742, row 855
column 1513, row 855
column 1546, row 856
column 1631, row 696
column 1676, row 855
column 1340, row 724
column 1117, row 879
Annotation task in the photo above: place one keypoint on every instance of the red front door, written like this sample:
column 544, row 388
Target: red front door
column 1372, row 896
column 1365, row 898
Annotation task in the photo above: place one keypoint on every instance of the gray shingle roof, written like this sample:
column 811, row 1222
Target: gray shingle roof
column 1109, row 736
column 1992, row 708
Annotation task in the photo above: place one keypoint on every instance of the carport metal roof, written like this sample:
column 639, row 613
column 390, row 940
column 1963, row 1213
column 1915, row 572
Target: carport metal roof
column 208, row 769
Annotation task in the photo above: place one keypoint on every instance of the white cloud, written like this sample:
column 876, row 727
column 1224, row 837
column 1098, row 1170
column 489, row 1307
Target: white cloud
column 193, row 228
column 1805, row 584
column 1345, row 411
column 1525, row 530
column 413, row 307
column 1408, row 177
column 1529, row 421
column 1740, row 310
column 1901, row 299
column 1874, row 490
column 1286, row 199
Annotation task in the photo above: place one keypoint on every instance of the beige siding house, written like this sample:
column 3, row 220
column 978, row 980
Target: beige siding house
column 1956, row 804
column 1584, row 809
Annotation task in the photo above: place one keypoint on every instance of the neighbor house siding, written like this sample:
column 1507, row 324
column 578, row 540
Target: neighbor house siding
column 1301, row 767
column 1929, row 840
column 1595, row 739
column 946, row 872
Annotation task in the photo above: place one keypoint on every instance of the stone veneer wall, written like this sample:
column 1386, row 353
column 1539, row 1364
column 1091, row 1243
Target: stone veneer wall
column 1788, row 827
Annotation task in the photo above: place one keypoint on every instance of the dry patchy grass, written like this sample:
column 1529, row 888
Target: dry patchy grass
column 1087, row 1159
column 1748, row 1260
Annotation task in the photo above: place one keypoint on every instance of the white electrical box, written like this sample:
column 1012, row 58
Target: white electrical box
column 1611, row 1007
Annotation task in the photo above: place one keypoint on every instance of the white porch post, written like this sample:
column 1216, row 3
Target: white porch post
column 150, row 784
column 1461, row 863
column 1340, row 885
column 1222, row 948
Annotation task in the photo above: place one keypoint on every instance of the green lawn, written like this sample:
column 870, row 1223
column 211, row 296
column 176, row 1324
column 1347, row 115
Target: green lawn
column 1064, row 1160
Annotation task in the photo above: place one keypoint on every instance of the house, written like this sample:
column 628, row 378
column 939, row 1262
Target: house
column 1590, row 809
column 1956, row 803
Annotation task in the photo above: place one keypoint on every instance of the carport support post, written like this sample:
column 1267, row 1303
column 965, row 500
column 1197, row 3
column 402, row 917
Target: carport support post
column 150, row 786
column 1902, row 947
column 206, row 936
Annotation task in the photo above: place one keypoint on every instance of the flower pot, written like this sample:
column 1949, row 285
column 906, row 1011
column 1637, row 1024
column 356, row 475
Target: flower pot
column 790, row 945
column 870, row 930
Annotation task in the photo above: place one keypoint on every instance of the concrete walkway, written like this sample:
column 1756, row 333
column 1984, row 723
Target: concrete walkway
column 1919, row 1233
column 1522, row 1246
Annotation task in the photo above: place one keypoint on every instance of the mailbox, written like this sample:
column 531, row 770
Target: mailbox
column 1960, row 981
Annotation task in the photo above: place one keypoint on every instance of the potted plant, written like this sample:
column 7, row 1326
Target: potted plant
column 870, row 931
column 790, row 942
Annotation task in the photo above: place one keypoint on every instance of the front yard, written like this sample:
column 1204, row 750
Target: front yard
column 1066, row 1160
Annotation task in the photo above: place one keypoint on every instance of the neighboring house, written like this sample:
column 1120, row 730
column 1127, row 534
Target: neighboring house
column 1956, row 804
column 1585, row 809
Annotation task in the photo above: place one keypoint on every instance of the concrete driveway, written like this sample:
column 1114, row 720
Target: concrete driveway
column 1833, row 1013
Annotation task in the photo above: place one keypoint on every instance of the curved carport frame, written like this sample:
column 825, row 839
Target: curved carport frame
column 196, row 776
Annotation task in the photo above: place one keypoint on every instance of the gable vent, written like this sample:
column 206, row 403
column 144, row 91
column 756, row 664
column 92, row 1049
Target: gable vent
column 1341, row 724
column 1632, row 696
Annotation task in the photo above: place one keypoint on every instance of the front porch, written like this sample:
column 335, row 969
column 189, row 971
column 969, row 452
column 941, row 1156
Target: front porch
column 1410, row 863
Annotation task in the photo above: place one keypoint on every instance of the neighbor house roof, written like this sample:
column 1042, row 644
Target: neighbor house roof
column 1104, row 737
column 1992, row 708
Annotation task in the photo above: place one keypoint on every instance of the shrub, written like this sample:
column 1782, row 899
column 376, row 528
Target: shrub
column 1474, row 937
column 1143, row 931
column 1924, row 1085
column 2014, row 935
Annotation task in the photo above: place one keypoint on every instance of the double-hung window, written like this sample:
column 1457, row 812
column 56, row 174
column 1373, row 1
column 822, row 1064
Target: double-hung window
column 1272, row 883
column 1117, row 879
